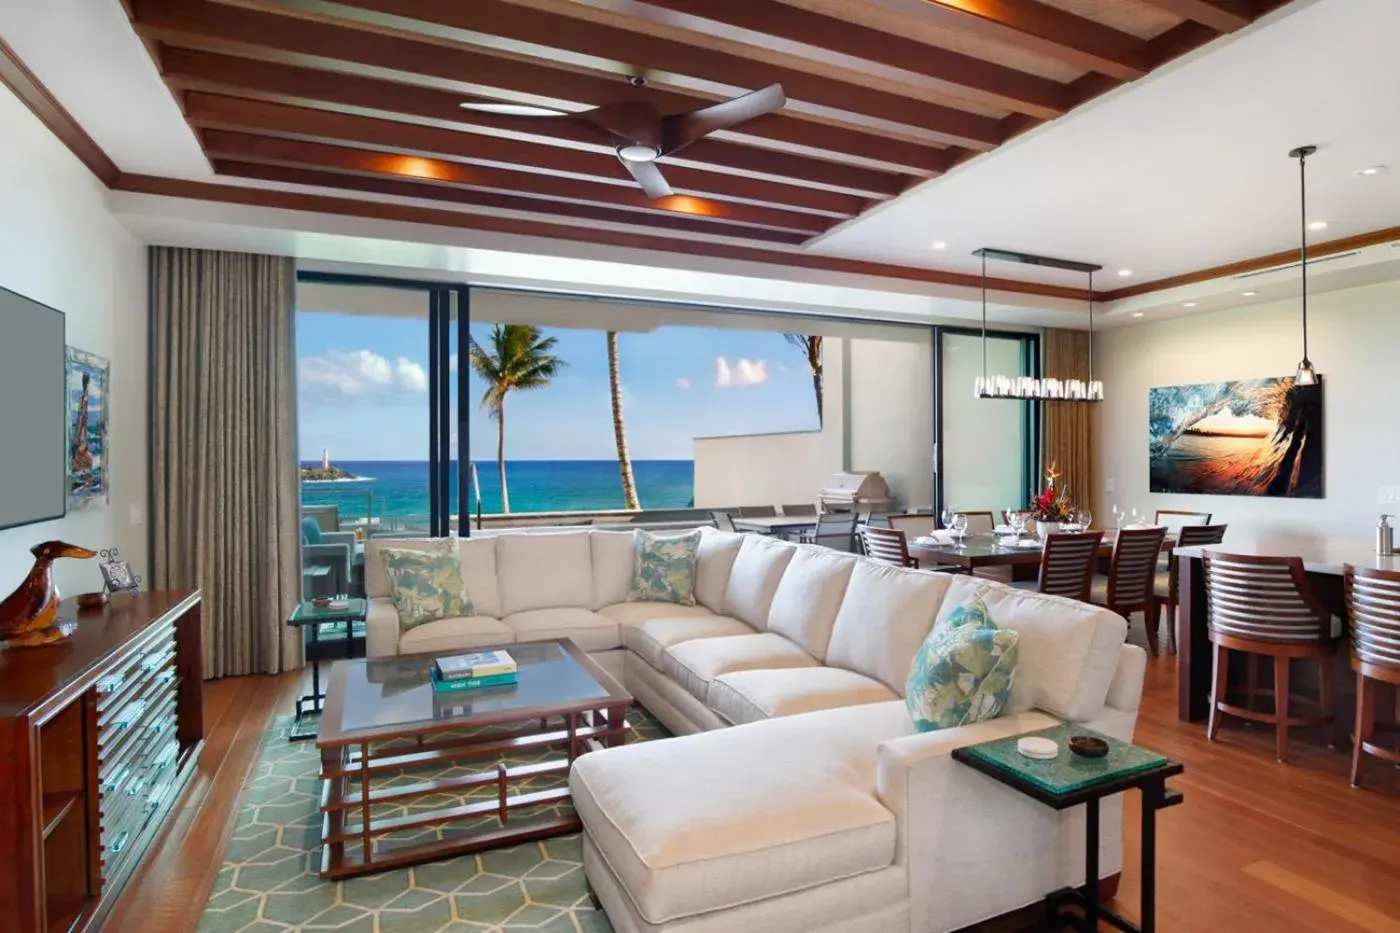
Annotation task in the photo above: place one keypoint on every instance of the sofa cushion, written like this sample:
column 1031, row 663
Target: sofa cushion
column 886, row 615
column 694, row 663
column 754, row 579
column 637, row 613
column 717, row 552
column 376, row 579
column 1067, row 653
column 664, row 568
column 479, row 574
column 544, row 571
column 964, row 672
column 589, row 630
column 447, row 635
column 784, row 810
column 650, row 639
column 809, row 596
column 748, row 696
column 613, row 556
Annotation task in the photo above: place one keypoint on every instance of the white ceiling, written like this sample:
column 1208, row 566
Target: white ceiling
column 1183, row 170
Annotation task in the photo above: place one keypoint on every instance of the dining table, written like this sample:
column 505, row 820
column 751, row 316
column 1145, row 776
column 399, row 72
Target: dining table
column 781, row 525
column 982, row 551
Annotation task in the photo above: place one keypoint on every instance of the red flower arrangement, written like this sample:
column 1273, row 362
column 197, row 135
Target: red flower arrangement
column 1051, row 505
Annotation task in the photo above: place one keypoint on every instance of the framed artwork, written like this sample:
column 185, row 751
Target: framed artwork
column 1254, row 437
column 87, row 382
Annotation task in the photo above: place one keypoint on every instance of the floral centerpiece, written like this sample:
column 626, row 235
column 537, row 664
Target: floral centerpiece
column 1052, row 507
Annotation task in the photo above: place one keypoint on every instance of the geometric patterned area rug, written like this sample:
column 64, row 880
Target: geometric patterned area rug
column 268, row 881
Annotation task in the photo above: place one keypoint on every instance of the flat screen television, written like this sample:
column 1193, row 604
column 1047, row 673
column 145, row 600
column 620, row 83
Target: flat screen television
column 33, row 435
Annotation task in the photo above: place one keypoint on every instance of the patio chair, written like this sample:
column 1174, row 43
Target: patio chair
column 805, row 508
column 723, row 520
column 332, row 549
column 836, row 530
column 758, row 511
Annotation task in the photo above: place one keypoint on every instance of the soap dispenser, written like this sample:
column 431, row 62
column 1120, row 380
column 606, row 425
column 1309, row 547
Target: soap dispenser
column 1385, row 537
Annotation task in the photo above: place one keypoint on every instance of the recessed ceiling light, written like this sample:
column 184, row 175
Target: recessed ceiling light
column 1371, row 170
column 1125, row 272
column 938, row 244
column 1318, row 225
column 1249, row 294
column 1137, row 314
column 1188, row 304
column 511, row 110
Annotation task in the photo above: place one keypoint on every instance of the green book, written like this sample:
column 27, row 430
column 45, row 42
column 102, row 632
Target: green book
column 470, row 683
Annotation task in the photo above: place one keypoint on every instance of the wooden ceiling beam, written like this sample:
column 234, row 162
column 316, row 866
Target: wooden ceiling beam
column 398, row 187
column 1022, row 24
column 775, row 26
column 541, row 189
column 500, row 28
column 212, row 110
column 317, row 44
column 1220, row 15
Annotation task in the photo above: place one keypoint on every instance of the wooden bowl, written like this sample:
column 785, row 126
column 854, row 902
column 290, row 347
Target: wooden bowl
column 92, row 600
column 1088, row 746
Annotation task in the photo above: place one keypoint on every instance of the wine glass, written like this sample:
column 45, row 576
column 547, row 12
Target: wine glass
column 1136, row 520
column 1085, row 518
column 1118, row 516
column 960, row 527
column 1017, row 519
column 948, row 515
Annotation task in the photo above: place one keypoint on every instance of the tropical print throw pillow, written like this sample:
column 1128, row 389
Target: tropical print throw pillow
column 664, row 568
column 426, row 585
column 964, row 671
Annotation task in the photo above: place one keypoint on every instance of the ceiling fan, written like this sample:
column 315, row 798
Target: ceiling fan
column 641, row 134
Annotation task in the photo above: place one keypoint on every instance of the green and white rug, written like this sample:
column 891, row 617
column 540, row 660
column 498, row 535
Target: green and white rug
column 268, row 880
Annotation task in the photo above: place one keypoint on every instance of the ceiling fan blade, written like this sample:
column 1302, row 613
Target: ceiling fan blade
column 682, row 129
column 649, row 177
column 631, row 121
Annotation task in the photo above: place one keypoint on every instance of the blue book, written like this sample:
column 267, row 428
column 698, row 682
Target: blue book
column 470, row 683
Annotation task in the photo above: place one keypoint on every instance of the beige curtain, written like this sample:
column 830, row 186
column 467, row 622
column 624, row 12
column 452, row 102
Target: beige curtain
column 224, row 485
column 1070, row 440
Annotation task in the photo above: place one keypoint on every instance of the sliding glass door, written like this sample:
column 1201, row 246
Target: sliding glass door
column 986, row 450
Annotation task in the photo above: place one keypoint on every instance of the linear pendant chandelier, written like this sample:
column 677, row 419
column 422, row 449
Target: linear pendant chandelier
column 1029, row 387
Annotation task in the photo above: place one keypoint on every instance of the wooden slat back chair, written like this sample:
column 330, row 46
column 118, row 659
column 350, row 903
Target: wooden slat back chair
column 979, row 523
column 1131, row 574
column 836, row 530
column 887, row 545
column 1373, row 598
column 1166, row 589
column 1067, row 563
column 1177, row 519
column 1266, row 606
column 913, row 526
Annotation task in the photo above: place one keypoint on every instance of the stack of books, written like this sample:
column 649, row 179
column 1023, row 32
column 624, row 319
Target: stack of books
column 469, row 671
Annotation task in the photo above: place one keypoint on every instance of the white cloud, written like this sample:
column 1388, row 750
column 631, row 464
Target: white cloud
column 452, row 363
column 742, row 372
column 683, row 383
column 361, row 372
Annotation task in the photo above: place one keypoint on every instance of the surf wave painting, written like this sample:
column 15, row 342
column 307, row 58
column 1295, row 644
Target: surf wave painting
column 1257, row 437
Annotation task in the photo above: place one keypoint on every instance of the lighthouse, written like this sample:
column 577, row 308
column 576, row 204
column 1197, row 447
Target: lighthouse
column 325, row 458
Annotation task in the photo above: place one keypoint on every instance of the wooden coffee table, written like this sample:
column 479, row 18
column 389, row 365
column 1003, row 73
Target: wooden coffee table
column 563, row 701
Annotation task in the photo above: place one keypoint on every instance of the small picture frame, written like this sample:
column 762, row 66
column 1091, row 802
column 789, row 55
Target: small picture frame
column 117, row 575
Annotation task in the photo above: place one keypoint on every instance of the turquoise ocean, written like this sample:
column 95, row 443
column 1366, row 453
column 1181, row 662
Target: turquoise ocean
column 398, row 489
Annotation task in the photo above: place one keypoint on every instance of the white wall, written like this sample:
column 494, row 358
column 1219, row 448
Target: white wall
column 59, row 245
column 890, row 416
column 1354, row 341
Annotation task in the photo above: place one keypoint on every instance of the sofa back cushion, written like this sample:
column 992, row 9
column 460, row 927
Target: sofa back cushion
column 884, row 618
column 479, row 575
column 1067, row 652
column 809, row 596
column 717, row 552
column 544, row 571
column 754, row 579
column 613, row 557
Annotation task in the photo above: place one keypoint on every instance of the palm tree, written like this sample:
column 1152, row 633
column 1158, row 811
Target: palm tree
column 519, row 359
column 624, row 459
column 811, row 347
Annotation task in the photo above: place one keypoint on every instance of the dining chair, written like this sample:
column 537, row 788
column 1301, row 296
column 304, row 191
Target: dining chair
column 1265, row 606
column 836, row 530
column 1131, row 574
column 1373, row 599
column 1166, row 589
column 723, row 520
column 1067, row 563
column 1177, row 519
column 913, row 525
column 758, row 511
column 887, row 546
column 805, row 508
column 980, row 523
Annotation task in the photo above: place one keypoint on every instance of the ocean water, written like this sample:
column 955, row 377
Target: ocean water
column 397, row 489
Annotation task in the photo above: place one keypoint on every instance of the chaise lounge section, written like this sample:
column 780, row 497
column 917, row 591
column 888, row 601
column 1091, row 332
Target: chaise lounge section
column 798, row 796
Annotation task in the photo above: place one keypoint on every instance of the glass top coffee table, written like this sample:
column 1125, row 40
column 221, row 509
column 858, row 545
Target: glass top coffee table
column 401, row 771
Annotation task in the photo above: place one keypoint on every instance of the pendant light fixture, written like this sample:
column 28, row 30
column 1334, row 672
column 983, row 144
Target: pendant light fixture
column 1028, row 387
column 1306, row 375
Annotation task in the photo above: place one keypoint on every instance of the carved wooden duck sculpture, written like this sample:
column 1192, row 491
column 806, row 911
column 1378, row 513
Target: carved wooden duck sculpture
column 28, row 615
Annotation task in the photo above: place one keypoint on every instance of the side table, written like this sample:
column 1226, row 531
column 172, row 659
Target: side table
column 1070, row 780
column 330, row 633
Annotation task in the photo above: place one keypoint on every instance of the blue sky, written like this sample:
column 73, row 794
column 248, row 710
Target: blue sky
column 363, row 392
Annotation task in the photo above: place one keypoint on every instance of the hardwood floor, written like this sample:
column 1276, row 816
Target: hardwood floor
column 1256, row 846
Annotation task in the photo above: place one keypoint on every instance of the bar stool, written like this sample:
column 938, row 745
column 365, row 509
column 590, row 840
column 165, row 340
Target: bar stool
column 1266, row 606
column 1373, row 597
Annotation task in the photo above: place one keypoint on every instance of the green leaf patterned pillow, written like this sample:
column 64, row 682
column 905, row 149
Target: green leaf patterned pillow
column 426, row 585
column 964, row 671
column 664, row 568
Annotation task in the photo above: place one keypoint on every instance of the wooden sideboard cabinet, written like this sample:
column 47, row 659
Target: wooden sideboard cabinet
column 98, row 738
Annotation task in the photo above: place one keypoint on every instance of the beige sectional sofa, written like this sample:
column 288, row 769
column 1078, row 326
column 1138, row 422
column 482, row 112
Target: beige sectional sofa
column 800, row 797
